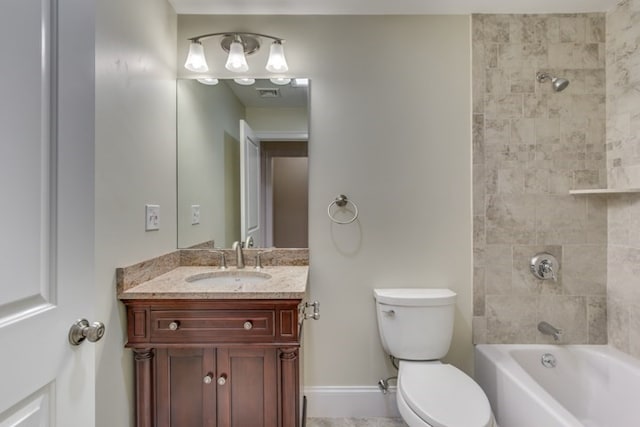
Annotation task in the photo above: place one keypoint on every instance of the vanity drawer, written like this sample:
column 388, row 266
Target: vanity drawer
column 192, row 322
column 201, row 326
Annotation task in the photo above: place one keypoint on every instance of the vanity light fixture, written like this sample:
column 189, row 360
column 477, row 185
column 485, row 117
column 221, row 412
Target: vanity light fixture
column 276, row 62
column 236, row 61
column 195, row 59
column 237, row 45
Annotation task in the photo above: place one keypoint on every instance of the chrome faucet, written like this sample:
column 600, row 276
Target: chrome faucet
column 548, row 329
column 239, row 254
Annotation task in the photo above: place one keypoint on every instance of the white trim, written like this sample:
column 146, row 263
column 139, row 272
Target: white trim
column 282, row 136
column 357, row 402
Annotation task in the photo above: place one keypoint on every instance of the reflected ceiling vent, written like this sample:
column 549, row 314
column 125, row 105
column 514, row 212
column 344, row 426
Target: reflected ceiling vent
column 271, row 92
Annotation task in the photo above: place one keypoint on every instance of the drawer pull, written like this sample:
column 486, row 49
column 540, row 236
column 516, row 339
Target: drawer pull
column 174, row 325
column 248, row 325
column 222, row 379
column 208, row 378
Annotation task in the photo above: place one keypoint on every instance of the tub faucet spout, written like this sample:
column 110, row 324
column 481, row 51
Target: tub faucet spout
column 548, row 329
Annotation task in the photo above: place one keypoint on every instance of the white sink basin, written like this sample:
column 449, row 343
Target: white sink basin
column 229, row 277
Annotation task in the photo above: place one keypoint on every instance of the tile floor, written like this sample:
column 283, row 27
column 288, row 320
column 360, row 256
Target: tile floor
column 355, row 422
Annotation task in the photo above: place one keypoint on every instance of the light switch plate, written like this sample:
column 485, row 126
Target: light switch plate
column 195, row 214
column 152, row 217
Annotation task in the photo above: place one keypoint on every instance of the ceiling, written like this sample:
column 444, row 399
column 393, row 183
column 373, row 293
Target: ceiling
column 386, row 7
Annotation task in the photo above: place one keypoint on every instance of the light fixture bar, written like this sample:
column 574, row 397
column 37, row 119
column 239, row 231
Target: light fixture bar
column 238, row 45
column 233, row 34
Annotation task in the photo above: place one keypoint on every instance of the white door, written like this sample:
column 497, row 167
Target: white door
column 250, row 186
column 46, row 215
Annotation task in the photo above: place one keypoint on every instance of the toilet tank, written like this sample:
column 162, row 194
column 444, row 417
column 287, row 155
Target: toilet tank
column 415, row 324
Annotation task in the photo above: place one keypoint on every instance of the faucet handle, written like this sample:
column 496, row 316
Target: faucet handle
column 223, row 258
column 259, row 261
column 544, row 266
column 546, row 269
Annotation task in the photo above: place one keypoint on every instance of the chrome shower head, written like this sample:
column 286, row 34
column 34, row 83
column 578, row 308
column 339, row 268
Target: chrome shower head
column 557, row 83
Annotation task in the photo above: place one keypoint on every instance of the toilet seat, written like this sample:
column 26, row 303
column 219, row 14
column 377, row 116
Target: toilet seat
column 442, row 396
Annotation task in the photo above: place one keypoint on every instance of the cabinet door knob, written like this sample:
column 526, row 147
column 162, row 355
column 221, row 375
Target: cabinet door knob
column 222, row 379
column 174, row 325
column 208, row 379
column 248, row 325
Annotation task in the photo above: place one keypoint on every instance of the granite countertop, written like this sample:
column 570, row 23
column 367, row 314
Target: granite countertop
column 286, row 282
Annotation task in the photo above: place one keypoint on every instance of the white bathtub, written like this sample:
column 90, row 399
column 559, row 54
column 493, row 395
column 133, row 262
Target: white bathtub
column 590, row 386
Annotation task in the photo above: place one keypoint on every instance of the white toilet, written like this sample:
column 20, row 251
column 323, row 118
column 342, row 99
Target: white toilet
column 416, row 327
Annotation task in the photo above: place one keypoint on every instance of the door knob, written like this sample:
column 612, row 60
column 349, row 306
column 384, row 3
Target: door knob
column 82, row 330
column 222, row 379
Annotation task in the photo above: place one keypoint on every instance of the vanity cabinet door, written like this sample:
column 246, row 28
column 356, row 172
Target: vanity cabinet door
column 237, row 387
column 186, row 387
column 249, row 395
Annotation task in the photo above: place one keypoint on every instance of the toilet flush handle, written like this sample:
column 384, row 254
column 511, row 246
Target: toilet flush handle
column 390, row 313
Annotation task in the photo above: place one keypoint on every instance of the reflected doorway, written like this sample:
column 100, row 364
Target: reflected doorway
column 285, row 193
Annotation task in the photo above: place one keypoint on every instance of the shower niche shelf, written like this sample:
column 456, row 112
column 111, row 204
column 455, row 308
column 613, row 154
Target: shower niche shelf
column 605, row 191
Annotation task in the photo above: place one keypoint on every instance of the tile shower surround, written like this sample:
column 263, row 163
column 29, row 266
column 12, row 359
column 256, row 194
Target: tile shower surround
column 530, row 147
column 623, row 167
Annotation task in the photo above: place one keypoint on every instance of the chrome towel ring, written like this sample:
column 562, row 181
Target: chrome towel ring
column 341, row 201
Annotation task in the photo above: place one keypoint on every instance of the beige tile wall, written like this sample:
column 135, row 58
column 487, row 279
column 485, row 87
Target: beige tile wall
column 623, row 166
column 530, row 146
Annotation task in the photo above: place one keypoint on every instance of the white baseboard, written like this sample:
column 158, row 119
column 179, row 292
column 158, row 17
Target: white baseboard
column 346, row 402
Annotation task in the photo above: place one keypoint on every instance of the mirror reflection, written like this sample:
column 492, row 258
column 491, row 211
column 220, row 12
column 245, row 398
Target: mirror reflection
column 242, row 163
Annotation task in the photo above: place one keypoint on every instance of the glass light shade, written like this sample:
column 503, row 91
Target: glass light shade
column 277, row 62
column 280, row 80
column 208, row 81
column 195, row 59
column 236, row 60
column 245, row 81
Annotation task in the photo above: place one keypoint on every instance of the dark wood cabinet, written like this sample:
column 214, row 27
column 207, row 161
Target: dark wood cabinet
column 183, row 397
column 224, row 363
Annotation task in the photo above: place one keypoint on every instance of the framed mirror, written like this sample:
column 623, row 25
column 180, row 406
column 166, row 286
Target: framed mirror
column 242, row 163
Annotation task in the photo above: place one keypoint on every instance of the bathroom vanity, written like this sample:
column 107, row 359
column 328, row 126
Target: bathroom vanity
column 220, row 353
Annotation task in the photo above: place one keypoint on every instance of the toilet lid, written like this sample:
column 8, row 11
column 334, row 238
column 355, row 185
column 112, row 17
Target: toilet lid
column 443, row 396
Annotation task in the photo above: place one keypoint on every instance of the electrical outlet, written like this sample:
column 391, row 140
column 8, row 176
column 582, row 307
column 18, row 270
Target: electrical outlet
column 152, row 217
column 195, row 214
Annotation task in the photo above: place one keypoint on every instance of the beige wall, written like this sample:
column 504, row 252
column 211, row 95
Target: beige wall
column 390, row 128
column 135, row 164
column 623, row 166
column 208, row 135
column 531, row 146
